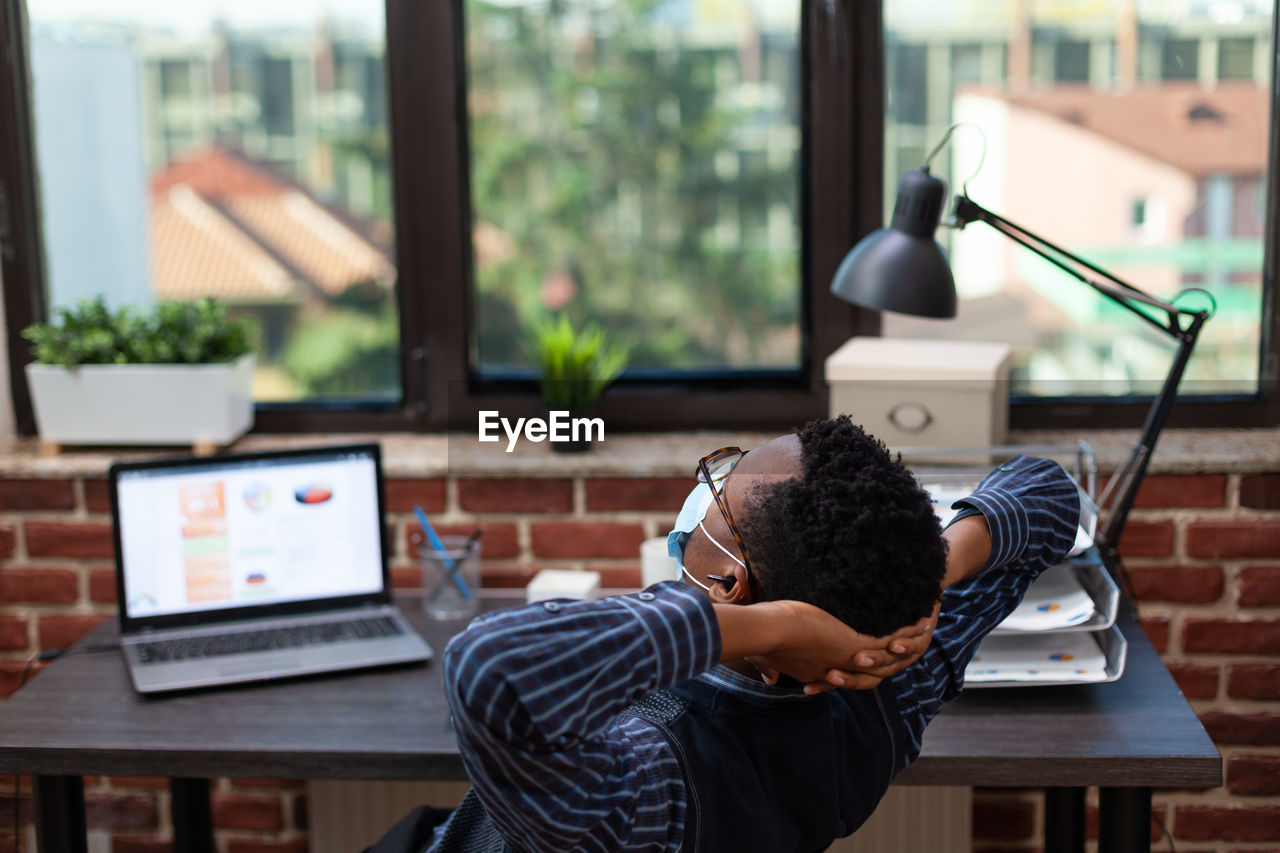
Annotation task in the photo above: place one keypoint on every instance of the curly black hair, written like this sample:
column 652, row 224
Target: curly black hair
column 855, row 535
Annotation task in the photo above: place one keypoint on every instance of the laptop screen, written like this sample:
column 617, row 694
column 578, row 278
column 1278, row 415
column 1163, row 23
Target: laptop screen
column 260, row 530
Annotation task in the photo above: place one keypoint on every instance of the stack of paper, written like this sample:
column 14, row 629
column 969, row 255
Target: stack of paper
column 1055, row 601
column 1038, row 658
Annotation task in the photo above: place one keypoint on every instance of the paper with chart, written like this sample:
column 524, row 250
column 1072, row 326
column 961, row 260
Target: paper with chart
column 1055, row 601
column 1033, row 658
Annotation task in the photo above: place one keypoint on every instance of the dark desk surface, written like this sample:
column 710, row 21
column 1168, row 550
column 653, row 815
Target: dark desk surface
column 81, row 716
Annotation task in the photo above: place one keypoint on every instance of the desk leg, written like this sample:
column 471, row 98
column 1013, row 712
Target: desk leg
column 59, row 802
column 1124, row 820
column 1064, row 820
column 192, row 816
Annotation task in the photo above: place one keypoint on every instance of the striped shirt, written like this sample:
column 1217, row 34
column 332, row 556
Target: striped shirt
column 537, row 692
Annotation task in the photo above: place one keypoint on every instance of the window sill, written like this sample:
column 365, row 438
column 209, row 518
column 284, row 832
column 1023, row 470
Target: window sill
column 650, row 455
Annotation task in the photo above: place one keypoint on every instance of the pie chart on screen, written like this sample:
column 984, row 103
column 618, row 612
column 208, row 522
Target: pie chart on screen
column 312, row 493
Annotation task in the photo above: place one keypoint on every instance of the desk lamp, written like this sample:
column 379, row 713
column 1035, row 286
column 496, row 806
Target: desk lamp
column 902, row 268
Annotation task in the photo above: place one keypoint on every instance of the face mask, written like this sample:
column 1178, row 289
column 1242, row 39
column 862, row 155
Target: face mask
column 690, row 518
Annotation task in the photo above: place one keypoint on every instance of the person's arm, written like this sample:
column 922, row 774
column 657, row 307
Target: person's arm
column 1024, row 516
column 536, row 693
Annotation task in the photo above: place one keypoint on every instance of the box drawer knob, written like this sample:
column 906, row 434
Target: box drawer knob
column 910, row 416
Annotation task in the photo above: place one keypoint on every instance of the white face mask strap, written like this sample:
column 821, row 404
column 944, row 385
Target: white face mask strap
column 690, row 576
column 726, row 551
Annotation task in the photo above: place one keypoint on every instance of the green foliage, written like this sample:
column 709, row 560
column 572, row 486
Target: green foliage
column 173, row 332
column 604, row 155
column 350, row 351
column 576, row 365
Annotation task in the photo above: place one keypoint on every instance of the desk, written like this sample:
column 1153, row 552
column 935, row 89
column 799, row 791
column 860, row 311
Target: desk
column 80, row 716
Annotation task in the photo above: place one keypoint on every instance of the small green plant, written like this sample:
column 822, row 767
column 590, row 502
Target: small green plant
column 577, row 365
column 173, row 332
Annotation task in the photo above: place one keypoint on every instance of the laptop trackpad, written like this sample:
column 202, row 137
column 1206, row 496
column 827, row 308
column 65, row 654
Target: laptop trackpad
column 260, row 663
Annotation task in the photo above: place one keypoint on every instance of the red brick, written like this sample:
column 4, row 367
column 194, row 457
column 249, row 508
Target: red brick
column 117, row 811
column 1254, row 775
column 404, row 495
column 254, row 845
column 619, row 577
column 139, row 782
column 1147, row 539
column 515, row 495
column 1253, row 681
column 1210, row 823
column 1259, row 587
column 25, row 808
column 1245, row 729
column 7, row 540
column 1230, row 636
column 587, row 539
column 655, row 494
column 1233, row 538
column 36, row 494
column 1008, row 821
column 1091, row 823
column 1182, row 584
column 1157, row 630
column 63, row 631
column 140, row 844
column 11, row 674
column 38, row 586
column 1260, row 491
column 506, row 577
column 268, row 783
column 406, row 577
column 102, row 586
column 1164, row 491
column 13, row 632
column 97, row 496
column 246, row 811
column 84, row 541
column 1196, row 682
column 499, row 540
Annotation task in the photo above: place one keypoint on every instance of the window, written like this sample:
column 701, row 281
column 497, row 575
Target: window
column 1179, row 59
column 648, row 169
column 1139, row 217
column 639, row 169
column 1179, row 166
column 185, row 151
column 1235, row 59
column 1071, row 62
column 763, row 157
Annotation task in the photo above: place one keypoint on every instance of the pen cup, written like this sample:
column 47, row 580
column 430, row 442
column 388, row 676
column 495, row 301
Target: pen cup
column 451, row 578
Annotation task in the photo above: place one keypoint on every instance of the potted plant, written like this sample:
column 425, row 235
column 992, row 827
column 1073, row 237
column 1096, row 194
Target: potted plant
column 179, row 373
column 576, row 366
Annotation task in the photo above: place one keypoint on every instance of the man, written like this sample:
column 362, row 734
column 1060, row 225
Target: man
column 609, row 726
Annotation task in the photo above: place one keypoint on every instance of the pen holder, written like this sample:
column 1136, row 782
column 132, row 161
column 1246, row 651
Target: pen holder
column 451, row 578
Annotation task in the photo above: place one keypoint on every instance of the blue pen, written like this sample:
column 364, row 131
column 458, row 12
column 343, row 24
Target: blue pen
column 434, row 538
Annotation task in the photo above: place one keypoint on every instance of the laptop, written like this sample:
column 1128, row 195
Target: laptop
column 254, row 566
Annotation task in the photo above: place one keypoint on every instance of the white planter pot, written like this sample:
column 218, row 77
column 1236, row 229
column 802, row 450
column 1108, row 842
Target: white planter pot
column 143, row 403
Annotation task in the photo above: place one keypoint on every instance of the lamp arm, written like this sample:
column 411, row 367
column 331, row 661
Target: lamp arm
column 1116, row 289
column 1181, row 324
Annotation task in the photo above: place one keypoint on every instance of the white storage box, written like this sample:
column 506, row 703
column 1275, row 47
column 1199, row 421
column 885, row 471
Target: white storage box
column 914, row 393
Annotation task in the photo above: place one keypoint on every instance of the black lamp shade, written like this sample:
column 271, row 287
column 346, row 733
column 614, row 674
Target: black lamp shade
column 902, row 268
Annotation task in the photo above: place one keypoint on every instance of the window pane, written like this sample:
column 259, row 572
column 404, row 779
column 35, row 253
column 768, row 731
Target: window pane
column 637, row 164
column 227, row 148
column 1156, row 178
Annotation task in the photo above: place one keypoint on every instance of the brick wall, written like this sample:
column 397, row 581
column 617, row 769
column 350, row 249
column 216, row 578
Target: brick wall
column 1204, row 551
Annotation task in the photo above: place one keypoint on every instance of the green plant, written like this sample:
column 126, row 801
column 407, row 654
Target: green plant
column 577, row 365
column 173, row 332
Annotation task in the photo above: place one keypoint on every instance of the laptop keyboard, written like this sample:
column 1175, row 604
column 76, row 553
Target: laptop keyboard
column 216, row 645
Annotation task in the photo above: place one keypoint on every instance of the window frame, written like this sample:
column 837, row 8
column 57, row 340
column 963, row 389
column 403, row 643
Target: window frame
column 842, row 54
